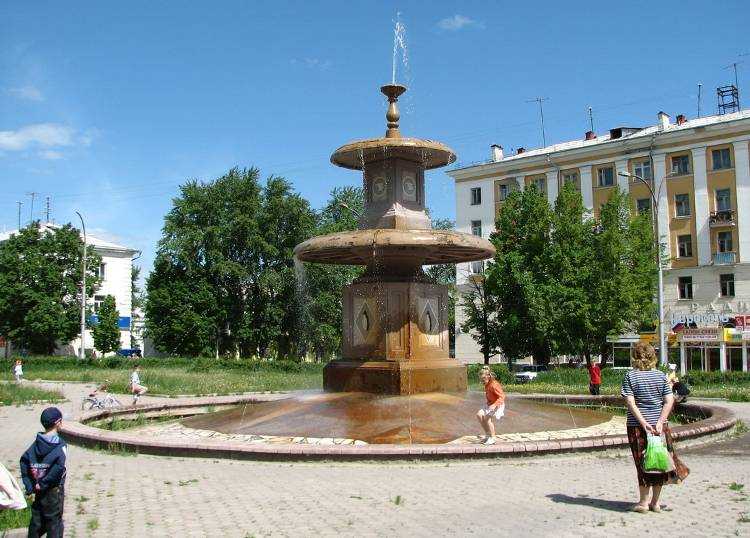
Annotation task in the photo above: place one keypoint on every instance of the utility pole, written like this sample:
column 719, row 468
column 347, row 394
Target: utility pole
column 19, row 203
column 700, row 87
column 31, row 209
column 47, row 209
column 591, row 119
column 82, row 351
column 540, row 100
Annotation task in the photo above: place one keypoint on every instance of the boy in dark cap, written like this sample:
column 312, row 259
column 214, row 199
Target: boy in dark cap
column 43, row 474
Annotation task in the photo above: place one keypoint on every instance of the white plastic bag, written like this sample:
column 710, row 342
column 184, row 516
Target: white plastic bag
column 11, row 495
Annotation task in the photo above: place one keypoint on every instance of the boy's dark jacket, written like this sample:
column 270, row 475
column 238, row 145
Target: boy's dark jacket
column 45, row 458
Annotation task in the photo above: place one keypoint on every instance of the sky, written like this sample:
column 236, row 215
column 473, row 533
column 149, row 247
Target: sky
column 107, row 107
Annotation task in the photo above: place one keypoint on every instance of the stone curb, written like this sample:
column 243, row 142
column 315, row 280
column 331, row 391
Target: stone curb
column 713, row 420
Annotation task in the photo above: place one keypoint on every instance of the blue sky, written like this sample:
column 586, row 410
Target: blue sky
column 107, row 107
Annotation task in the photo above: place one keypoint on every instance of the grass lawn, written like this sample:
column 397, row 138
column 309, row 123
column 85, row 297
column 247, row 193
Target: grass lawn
column 16, row 394
column 14, row 519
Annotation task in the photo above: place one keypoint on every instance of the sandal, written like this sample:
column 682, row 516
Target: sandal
column 640, row 508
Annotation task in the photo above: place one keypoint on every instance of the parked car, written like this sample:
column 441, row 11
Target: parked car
column 130, row 353
column 528, row 372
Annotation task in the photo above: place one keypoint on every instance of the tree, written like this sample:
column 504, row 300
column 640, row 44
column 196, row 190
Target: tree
column 223, row 280
column 479, row 317
column 106, row 330
column 136, row 293
column 445, row 273
column 40, row 276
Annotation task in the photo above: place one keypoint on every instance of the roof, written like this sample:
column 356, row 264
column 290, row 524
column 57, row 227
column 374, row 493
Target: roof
column 602, row 140
column 90, row 239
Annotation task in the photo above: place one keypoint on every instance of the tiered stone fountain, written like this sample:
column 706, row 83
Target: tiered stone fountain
column 395, row 338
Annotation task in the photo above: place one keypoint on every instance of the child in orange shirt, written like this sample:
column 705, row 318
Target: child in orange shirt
column 495, row 408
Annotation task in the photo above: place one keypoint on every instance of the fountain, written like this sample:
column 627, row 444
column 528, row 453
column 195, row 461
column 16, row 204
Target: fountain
column 395, row 334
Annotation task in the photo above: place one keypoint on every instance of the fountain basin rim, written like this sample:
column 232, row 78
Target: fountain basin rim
column 428, row 247
column 352, row 154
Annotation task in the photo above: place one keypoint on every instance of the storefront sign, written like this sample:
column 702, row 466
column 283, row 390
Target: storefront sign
column 699, row 318
column 742, row 322
column 701, row 335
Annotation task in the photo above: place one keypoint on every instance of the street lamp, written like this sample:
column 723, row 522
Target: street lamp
column 82, row 351
column 663, row 357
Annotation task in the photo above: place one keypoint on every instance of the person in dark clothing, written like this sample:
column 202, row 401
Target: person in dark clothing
column 43, row 473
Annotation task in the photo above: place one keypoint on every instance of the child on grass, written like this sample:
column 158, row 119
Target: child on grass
column 43, row 473
column 18, row 370
column 495, row 408
column 135, row 384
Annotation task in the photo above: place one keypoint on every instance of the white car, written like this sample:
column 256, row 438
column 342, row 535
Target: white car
column 528, row 372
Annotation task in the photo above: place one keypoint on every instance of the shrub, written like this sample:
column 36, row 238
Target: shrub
column 501, row 372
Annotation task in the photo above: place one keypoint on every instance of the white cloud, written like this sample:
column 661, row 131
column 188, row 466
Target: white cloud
column 313, row 63
column 457, row 22
column 50, row 155
column 44, row 135
column 27, row 93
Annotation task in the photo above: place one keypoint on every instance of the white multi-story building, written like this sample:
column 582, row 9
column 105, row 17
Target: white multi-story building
column 115, row 273
column 700, row 170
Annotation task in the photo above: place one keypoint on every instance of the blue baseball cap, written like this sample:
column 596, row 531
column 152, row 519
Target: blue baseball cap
column 50, row 417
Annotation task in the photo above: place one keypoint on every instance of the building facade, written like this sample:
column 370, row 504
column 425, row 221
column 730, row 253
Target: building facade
column 700, row 172
column 115, row 274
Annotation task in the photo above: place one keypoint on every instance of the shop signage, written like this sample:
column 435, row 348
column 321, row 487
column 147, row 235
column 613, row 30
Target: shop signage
column 702, row 335
column 699, row 318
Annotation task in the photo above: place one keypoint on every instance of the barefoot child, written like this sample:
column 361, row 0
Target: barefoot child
column 18, row 370
column 43, row 473
column 135, row 384
column 495, row 408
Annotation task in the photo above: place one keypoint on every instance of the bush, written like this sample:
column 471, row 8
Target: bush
column 501, row 372
column 697, row 378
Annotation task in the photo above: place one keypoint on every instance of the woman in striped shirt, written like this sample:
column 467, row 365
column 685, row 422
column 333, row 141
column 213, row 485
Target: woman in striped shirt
column 649, row 398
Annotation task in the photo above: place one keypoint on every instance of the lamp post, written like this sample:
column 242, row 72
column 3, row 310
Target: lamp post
column 663, row 357
column 82, row 351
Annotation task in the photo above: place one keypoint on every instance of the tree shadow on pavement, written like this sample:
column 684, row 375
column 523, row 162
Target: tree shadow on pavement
column 614, row 506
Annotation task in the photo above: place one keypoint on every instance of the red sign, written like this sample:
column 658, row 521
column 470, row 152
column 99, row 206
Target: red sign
column 742, row 321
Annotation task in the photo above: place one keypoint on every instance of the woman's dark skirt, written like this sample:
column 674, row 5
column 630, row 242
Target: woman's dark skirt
column 637, row 439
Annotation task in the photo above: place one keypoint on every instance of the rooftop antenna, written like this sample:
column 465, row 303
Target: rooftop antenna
column 700, row 87
column 733, row 65
column 47, row 209
column 31, row 209
column 19, row 203
column 540, row 100
column 591, row 119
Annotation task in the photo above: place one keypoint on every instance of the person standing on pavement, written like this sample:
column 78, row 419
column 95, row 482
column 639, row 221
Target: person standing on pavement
column 649, row 398
column 43, row 473
column 495, row 408
column 595, row 377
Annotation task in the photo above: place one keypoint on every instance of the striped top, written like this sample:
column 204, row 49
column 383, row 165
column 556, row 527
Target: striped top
column 648, row 387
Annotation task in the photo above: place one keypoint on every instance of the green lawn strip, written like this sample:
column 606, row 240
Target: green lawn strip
column 14, row 519
column 21, row 393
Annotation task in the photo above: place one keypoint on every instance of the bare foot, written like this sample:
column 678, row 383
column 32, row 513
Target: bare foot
column 640, row 508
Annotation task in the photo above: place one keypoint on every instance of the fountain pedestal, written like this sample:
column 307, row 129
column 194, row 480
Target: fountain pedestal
column 395, row 340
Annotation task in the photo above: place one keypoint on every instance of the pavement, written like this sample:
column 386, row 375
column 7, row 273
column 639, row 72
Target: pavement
column 567, row 495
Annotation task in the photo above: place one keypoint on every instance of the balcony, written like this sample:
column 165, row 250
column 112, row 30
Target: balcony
column 725, row 217
column 725, row 258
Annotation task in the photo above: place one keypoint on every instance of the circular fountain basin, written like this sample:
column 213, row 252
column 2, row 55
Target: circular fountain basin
column 428, row 153
column 386, row 419
column 361, row 247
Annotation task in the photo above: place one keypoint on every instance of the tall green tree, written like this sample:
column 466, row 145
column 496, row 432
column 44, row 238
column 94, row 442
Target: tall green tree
column 223, row 280
column 106, row 330
column 445, row 273
column 40, row 276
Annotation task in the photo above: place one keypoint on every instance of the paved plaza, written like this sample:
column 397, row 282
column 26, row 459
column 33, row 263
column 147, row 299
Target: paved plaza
column 569, row 495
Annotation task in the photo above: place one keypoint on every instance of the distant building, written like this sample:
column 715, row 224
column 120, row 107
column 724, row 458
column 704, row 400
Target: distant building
column 115, row 272
column 700, row 169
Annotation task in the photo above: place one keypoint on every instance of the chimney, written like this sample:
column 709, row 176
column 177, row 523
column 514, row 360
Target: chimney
column 663, row 120
column 520, row 150
column 681, row 119
column 496, row 153
column 590, row 135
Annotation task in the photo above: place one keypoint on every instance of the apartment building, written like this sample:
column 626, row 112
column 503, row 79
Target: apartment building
column 700, row 171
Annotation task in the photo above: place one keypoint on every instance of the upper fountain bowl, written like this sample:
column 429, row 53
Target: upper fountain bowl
column 429, row 153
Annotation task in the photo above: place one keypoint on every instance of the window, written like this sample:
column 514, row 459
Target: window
column 724, row 241
column 721, row 159
column 477, row 268
column 643, row 169
column 681, row 205
column 476, row 195
column 502, row 191
column 606, row 176
column 726, row 283
column 476, row 227
column 643, row 205
column 570, row 177
column 723, row 199
column 680, row 165
column 98, row 300
column 686, row 287
column 100, row 271
column 685, row 246
column 541, row 184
